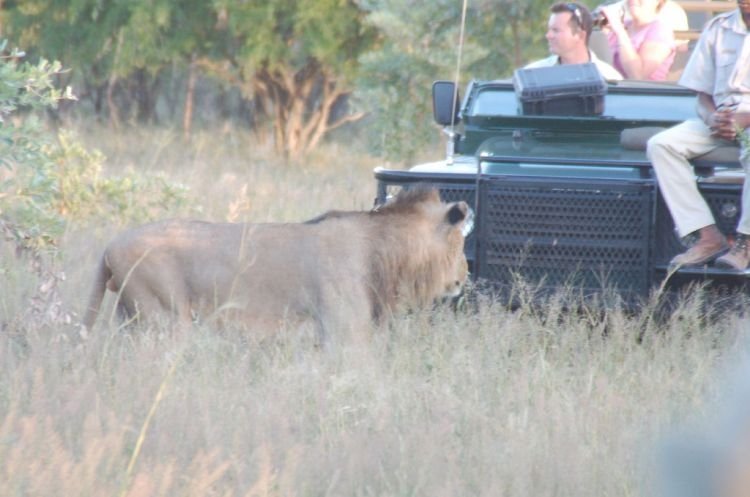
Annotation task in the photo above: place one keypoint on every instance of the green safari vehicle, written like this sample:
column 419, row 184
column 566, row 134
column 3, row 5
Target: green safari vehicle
column 554, row 162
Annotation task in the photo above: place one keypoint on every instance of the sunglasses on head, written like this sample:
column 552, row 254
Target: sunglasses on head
column 576, row 11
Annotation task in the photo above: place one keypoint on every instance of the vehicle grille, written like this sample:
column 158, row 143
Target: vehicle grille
column 561, row 235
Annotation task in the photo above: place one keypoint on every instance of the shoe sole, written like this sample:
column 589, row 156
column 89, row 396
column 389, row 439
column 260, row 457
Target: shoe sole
column 727, row 265
column 702, row 262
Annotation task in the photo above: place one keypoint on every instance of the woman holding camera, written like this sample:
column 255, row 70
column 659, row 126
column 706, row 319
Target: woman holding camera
column 643, row 46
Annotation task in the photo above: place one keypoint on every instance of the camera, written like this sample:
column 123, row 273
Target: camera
column 600, row 20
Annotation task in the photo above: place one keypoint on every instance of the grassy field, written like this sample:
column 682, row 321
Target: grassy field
column 484, row 401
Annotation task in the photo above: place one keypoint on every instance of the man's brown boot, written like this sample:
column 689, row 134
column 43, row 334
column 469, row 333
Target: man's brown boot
column 739, row 257
column 710, row 245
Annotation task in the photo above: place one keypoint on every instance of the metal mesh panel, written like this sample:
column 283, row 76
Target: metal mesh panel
column 591, row 236
column 724, row 202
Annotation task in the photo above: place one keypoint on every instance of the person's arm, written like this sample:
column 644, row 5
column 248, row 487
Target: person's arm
column 641, row 63
column 705, row 107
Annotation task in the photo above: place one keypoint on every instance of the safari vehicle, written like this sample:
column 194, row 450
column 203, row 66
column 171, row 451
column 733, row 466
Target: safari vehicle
column 555, row 164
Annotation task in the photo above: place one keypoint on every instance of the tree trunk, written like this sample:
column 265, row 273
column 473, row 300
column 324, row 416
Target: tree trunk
column 299, row 102
column 114, row 112
column 517, row 56
column 187, row 115
column 146, row 88
column 302, row 104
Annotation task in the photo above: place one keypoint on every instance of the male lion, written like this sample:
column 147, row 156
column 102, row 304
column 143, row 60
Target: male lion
column 341, row 269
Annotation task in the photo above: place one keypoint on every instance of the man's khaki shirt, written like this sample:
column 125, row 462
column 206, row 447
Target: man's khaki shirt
column 720, row 63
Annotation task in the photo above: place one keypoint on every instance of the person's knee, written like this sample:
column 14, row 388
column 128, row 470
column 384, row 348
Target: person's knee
column 656, row 145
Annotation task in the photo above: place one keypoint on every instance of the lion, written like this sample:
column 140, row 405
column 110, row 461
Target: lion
column 338, row 270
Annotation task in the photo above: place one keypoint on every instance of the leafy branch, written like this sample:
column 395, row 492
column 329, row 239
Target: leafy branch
column 48, row 180
column 743, row 137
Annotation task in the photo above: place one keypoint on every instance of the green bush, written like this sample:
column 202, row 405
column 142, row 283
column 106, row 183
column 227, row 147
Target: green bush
column 26, row 185
column 49, row 180
column 83, row 193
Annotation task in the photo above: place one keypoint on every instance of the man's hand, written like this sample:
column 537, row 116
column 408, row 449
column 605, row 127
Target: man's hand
column 724, row 123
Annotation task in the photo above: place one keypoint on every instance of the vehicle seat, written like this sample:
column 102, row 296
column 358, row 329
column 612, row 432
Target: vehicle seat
column 725, row 155
column 600, row 46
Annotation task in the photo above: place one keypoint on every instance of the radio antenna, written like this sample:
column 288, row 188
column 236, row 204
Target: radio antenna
column 452, row 133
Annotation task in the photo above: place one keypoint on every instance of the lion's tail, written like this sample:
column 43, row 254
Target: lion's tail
column 103, row 274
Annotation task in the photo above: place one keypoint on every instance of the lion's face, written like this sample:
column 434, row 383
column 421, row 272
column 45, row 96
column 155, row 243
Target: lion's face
column 461, row 272
column 459, row 219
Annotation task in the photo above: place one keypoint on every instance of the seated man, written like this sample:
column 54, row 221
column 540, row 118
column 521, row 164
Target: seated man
column 718, row 72
column 568, row 32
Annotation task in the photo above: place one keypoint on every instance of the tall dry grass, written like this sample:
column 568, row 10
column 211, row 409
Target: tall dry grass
column 482, row 401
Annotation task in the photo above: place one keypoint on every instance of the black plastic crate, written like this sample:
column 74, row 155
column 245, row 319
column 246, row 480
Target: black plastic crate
column 594, row 236
column 566, row 90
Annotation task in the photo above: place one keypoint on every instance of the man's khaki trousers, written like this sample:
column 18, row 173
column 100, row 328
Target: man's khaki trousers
column 669, row 152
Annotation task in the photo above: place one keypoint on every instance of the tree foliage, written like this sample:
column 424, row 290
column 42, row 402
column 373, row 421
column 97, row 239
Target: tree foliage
column 117, row 49
column 24, row 162
column 297, row 59
column 419, row 45
column 48, row 181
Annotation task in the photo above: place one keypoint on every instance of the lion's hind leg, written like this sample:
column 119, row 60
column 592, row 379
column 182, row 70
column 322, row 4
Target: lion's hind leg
column 98, row 289
column 136, row 304
column 145, row 300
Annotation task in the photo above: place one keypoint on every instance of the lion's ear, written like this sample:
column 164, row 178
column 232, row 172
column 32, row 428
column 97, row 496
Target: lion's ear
column 457, row 213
